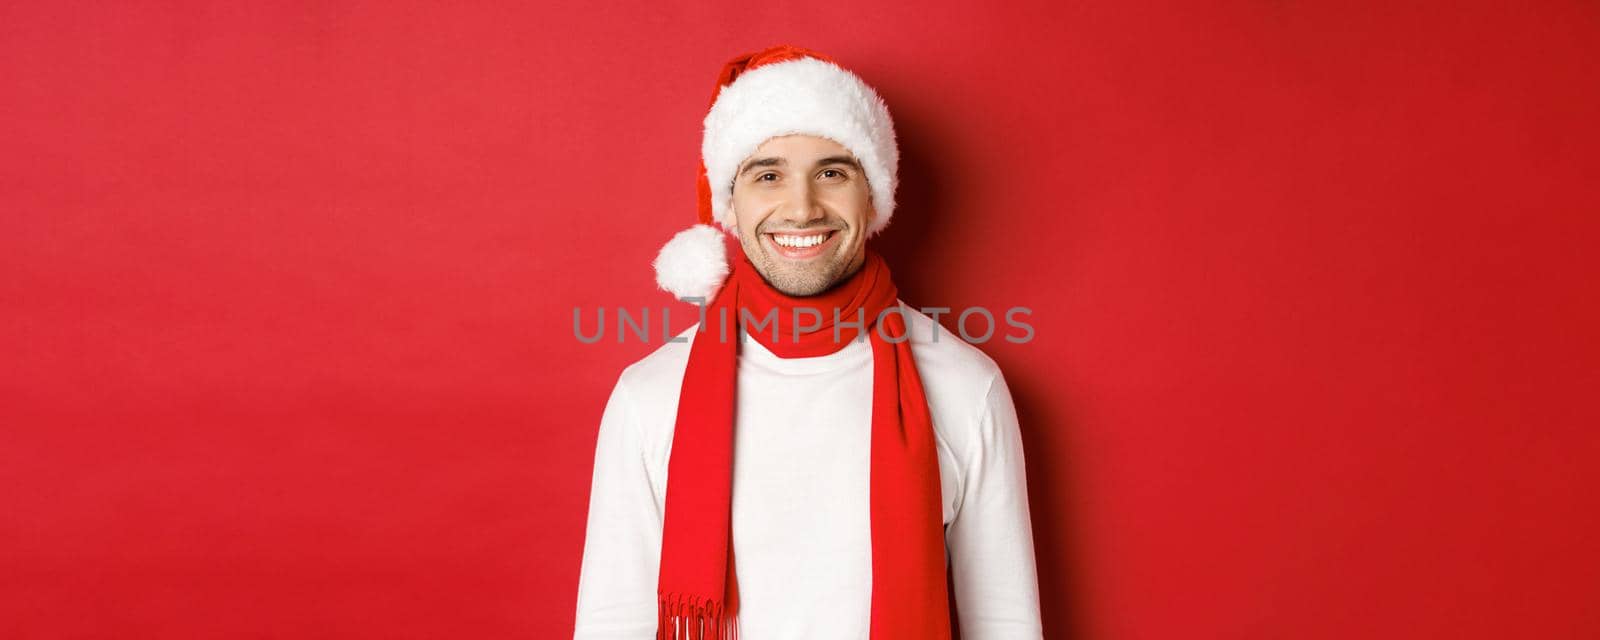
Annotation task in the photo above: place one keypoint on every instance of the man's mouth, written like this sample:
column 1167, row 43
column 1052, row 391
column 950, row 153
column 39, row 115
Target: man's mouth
column 802, row 245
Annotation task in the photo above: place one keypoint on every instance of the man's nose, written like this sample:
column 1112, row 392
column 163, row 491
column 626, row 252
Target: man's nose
column 803, row 206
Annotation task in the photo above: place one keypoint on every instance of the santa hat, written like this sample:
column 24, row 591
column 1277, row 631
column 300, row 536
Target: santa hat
column 777, row 91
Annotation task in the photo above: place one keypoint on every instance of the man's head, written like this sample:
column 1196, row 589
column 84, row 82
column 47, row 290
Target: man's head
column 802, row 206
column 794, row 146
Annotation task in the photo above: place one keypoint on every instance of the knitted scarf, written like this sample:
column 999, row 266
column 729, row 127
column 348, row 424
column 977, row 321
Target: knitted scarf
column 697, row 591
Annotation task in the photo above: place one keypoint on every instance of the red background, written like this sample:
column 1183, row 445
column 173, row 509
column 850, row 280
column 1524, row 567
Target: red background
column 286, row 298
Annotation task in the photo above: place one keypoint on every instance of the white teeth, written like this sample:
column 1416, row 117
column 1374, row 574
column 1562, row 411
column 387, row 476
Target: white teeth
column 798, row 241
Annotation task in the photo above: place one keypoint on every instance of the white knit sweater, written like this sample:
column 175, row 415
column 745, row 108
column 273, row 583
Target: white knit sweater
column 800, row 493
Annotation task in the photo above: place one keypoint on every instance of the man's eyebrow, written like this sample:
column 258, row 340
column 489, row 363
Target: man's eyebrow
column 778, row 162
column 762, row 162
column 845, row 160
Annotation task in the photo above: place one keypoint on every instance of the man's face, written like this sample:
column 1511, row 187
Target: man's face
column 802, row 206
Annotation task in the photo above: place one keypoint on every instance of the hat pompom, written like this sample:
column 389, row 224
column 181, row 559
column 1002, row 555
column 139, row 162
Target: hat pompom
column 694, row 263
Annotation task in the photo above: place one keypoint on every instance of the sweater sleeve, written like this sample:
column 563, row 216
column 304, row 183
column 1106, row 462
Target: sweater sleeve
column 622, row 541
column 991, row 536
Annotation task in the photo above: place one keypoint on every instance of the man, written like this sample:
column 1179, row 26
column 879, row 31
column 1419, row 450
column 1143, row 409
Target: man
column 811, row 457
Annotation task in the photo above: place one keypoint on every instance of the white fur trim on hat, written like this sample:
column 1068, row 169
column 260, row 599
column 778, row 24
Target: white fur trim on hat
column 693, row 263
column 805, row 96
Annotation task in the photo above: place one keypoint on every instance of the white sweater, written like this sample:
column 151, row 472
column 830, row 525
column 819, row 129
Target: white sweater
column 800, row 492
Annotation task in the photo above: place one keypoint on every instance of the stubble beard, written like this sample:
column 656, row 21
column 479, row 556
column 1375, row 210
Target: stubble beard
column 795, row 280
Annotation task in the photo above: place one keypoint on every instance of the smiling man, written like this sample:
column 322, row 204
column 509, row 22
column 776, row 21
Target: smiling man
column 814, row 472
column 802, row 206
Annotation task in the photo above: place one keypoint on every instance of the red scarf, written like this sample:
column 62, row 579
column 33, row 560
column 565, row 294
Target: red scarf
column 698, row 591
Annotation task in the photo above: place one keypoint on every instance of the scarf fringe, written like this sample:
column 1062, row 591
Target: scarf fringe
column 686, row 617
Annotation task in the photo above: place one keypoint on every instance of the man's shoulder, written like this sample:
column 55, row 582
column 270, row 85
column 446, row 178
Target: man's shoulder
column 957, row 376
column 959, row 381
column 661, row 369
column 939, row 352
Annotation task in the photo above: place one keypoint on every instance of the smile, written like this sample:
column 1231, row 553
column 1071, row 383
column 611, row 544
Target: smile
column 800, row 245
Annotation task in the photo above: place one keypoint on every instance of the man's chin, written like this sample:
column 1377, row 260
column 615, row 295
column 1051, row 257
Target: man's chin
column 808, row 279
column 796, row 277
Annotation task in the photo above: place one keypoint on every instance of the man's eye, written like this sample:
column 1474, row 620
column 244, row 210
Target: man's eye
column 825, row 172
column 760, row 177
